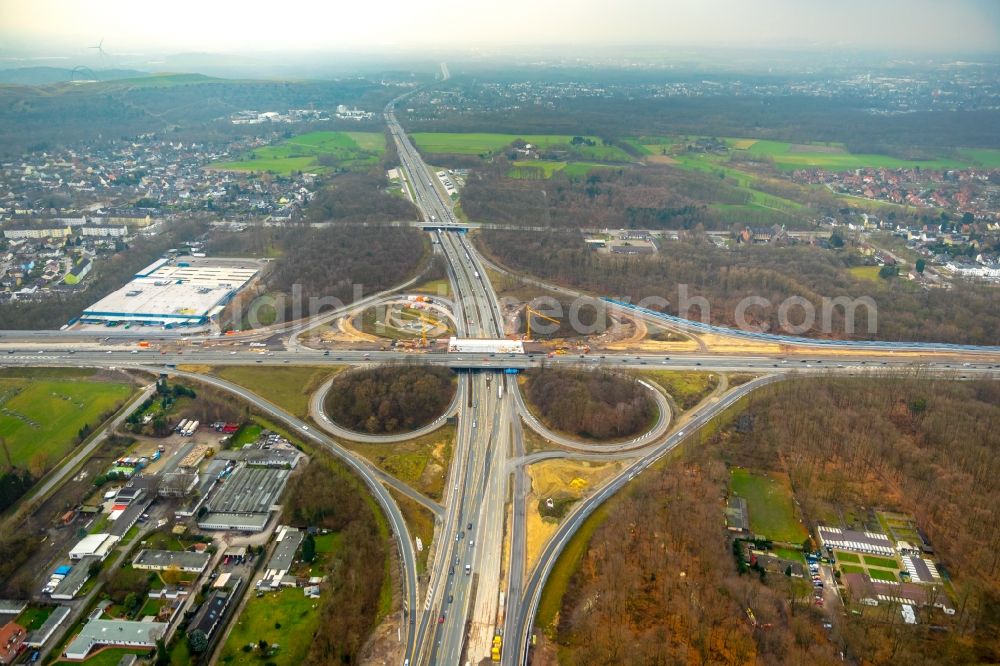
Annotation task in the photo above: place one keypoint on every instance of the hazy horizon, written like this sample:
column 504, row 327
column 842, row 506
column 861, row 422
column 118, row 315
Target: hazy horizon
column 67, row 29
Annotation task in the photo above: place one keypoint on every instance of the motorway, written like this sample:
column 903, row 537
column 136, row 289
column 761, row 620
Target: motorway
column 451, row 617
column 463, row 589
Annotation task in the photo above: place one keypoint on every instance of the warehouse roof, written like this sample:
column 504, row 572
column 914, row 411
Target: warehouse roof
column 161, row 559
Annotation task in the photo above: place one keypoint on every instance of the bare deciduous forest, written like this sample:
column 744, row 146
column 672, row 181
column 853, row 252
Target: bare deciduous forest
column 597, row 405
column 391, row 398
column 359, row 197
column 328, row 496
column 923, row 446
column 334, row 264
column 967, row 314
column 652, row 197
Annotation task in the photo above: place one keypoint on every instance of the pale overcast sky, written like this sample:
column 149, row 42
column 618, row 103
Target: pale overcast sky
column 170, row 26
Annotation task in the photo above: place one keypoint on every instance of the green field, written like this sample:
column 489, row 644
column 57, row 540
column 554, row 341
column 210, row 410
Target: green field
column 526, row 169
column 787, row 156
column 686, row 388
column 882, row 574
column 847, row 557
column 247, row 434
column 834, row 157
column 111, row 656
column 789, row 554
column 769, row 501
column 852, row 568
column 566, row 565
column 41, row 416
column 33, row 617
column 866, row 273
column 347, row 150
column 289, row 387
column 884, row 562
column 298, row 617
column 421, row 462
column 486, row 143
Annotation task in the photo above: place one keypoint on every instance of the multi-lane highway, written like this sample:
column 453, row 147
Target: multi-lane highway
column 473, row 586
column 463, row 589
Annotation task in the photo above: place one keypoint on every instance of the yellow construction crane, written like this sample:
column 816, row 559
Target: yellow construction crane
column 427, row 320
column 529, row 311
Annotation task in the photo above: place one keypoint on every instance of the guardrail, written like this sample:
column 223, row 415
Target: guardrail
column 793, row 340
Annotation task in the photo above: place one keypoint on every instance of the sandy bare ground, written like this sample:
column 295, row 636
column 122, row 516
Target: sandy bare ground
column 564, row 477
column 385, row 647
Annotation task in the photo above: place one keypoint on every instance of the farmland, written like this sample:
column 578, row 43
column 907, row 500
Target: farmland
column 833, row 157
column 41, row 415
column 315, row 151
column 524, row 169
column 769, row 501
column 788, row 156
column 487, row 143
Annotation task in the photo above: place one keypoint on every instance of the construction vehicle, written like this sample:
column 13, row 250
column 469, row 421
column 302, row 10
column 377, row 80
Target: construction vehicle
column 528, row 312
column 497, row 647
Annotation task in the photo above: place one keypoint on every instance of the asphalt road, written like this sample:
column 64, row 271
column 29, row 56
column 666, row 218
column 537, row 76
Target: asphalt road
column 363, row 469
column 317, row 411
column 518, row 640
column 455, row 617
column 659, row 428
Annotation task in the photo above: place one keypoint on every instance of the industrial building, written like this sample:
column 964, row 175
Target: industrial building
column 245, row 500
column 171, row 293
column 75, row 578
column 288, row 541
column 118, row 633
column 94, row 544
column 41, row 636
column 159, row 560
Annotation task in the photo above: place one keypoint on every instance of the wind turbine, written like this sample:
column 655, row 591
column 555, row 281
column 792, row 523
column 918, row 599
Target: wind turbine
column 100, row 48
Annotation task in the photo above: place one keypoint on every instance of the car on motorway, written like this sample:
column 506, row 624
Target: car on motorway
column 441, row 619
column 468, row 569
column 472, row 542
column 469, row 526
